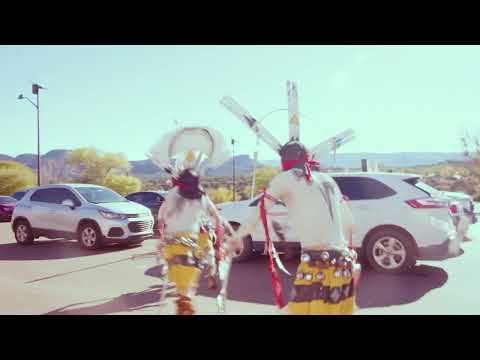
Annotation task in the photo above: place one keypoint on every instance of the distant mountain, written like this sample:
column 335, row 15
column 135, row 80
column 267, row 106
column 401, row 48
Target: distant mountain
column 29, row 160
column 54, row 163
column 408, row 159
column 243, row 166
column 5, row 157
column 146, row 169
column 56, row 154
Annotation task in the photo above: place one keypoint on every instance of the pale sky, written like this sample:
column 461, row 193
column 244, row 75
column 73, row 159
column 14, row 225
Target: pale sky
column 123, row 98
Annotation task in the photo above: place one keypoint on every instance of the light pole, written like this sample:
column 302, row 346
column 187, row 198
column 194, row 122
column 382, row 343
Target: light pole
column 233, row 165
column 35, row 88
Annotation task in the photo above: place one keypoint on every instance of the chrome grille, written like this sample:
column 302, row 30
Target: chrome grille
column 140, row 226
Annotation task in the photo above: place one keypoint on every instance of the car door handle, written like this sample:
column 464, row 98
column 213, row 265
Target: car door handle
column 362, row 207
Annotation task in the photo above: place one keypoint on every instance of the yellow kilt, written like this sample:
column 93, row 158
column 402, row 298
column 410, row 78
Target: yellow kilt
column 185, row 262
column 322, row 290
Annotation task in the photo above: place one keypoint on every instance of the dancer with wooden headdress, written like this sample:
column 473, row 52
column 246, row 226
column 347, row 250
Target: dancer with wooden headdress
column 317, row 212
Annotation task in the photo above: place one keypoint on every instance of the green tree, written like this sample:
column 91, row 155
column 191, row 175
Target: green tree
column 262, row 180
column 122, row 184
column 15, row 177
column 94, row 167
column 222, row 194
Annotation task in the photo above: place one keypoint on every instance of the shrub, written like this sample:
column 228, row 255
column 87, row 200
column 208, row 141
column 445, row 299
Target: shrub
column 15, row 177
column 94, row 166
column 122, row 184
column 221, row 195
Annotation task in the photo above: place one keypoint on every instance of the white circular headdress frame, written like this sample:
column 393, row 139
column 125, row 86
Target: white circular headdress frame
column 196, row 148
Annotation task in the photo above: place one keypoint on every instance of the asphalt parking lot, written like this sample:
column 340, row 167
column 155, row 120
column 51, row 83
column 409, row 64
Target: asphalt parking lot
column 58, row 277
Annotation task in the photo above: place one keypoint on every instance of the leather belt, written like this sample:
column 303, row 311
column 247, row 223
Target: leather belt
column 325, row 258
column 185, row 260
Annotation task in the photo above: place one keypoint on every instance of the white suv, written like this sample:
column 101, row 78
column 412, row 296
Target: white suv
column 93, row 214
column 397, row 220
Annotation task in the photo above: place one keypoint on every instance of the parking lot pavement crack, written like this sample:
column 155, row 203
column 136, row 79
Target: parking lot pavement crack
column 79, row 270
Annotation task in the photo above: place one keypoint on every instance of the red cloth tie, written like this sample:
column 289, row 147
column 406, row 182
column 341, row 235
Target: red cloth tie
column 308, row 163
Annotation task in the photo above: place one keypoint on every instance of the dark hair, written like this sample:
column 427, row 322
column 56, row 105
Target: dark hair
column 190, row 187
column 294, row 150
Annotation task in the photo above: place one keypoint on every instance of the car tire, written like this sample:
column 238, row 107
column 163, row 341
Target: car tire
column 390, row 251
column 247, row 250
column 23, row 233
column 89, row 236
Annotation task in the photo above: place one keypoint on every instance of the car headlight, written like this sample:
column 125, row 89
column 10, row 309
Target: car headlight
column 112, row 216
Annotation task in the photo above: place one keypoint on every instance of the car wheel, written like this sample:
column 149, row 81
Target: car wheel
column 390, row 251
column 90, row 236
column 247, row 248
column 23, row 233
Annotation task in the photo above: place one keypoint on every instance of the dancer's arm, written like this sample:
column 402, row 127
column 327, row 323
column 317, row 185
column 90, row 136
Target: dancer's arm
column 161, row 215
column 277, row 189
column 218, row 220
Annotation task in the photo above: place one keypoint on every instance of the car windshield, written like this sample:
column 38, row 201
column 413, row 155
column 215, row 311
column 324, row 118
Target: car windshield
column 99, row 195
column 257, row 201
column 7, row 200
column 19, row 195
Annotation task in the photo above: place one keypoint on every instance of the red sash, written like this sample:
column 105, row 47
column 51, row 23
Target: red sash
column 276, row 286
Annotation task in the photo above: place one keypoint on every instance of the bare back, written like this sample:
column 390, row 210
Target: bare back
column 183, row 215
column 314, row 209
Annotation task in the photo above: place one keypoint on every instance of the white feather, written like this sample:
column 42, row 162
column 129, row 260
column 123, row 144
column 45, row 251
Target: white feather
column 207, row 144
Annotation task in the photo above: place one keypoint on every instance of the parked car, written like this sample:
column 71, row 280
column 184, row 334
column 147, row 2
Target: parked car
column 93, row 214
column 7, row 204
column 461, row 206
column 397, row 221
column 150, row 199
column 464, row 210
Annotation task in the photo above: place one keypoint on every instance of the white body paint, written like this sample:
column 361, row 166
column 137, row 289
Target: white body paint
column 183, row 215
column 314, row 210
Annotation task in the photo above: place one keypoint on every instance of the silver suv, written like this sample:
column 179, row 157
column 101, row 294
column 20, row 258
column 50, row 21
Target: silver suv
column 93, row 214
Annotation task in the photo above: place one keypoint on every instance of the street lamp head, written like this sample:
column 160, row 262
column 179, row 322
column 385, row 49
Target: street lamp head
column 20, row 97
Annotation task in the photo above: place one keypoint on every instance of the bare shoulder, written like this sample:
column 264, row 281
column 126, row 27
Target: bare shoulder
column 283, row 177
column 171, row 194
column 326, row 180
column 323, row 177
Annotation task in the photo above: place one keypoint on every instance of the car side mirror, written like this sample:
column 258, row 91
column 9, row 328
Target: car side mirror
column 68, row 203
